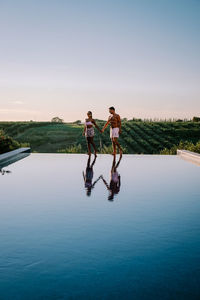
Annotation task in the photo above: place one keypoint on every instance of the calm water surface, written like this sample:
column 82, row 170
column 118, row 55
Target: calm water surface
column 67, row 231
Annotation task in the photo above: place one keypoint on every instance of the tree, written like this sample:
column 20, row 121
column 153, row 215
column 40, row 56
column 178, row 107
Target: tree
column 196, row 119
column 57, row 120
column 78, row 122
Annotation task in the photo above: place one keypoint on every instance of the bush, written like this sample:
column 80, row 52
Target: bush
column 183, row 145
column 8, row 144
column 72, row 149
column 78, row 122
column 109, row 150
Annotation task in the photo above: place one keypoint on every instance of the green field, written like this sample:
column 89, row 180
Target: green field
column 137, row 136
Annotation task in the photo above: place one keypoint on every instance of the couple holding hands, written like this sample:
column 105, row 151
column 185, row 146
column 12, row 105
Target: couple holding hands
column 115, row 129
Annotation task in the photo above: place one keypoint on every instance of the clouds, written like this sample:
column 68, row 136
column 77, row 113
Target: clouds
column 67, row 58
column 17, row 102
column 8, row 114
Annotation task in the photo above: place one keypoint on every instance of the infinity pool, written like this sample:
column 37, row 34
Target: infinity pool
column 67, row 231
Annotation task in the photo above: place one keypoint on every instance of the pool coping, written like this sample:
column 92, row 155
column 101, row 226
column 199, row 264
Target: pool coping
column 12, row 154
column 189, row 155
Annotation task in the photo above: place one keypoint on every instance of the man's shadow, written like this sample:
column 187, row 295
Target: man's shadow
column 115, row 180
column 88, row 176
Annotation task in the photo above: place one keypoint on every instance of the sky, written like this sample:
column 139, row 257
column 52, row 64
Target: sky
column 65, row 57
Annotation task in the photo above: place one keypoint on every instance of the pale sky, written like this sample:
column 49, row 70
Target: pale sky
column 65, row 57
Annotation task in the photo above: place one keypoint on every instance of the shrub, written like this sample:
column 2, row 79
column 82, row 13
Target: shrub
column 8, row 144
column 109, row 149
column 183, row 145
column 72, row 149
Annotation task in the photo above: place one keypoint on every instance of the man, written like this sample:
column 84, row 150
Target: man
column 115, row 180
column 115, row 129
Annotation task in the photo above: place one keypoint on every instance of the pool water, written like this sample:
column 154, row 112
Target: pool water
column 70, row 230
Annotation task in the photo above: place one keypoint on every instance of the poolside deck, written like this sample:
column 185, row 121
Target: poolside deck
column 189, row 156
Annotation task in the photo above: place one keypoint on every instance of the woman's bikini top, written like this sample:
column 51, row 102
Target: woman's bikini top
column 88, row 123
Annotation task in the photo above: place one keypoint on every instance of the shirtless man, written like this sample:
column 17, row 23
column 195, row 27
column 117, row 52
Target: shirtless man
column 115, row 180
column 115, row 129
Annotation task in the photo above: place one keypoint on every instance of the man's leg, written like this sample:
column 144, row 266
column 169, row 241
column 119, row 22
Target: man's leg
column 114, row 146
column 118, row 145
column 113, row 164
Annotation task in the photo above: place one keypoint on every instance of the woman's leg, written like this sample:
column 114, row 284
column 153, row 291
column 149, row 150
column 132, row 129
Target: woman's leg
column 94, row 146
column 89, row 145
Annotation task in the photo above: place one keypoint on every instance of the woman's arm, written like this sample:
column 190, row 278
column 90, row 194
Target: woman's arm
column 95, row 124
column 96, row 181
column 106, row 184
column 84, row 130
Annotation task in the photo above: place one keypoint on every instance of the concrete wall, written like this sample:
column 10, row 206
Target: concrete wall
column 189, row 156
column 13, row 156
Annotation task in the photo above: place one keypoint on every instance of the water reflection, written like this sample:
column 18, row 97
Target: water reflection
column 55, row 245
column 11, row 160
column 88, row 176
column 115, row 180
column 3, row 172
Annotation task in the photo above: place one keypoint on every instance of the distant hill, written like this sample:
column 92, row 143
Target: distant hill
column 137, row 136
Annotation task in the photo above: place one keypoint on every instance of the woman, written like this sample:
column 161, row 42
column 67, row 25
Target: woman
column 89, row 132
column 88, row 177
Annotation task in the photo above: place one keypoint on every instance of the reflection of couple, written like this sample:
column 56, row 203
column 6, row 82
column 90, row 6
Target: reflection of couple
column 115, row 180
column 115, row 129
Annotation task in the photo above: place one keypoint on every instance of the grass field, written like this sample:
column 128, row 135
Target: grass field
column 137, row 136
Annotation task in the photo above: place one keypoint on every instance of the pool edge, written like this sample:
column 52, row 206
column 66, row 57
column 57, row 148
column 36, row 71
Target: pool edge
column 189, row 156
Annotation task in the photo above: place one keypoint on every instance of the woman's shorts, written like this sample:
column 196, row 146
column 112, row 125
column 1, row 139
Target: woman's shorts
column 114, row 132
column 89, row 132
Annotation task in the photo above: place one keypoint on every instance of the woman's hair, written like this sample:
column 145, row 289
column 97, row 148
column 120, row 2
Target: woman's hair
column 89, row 112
